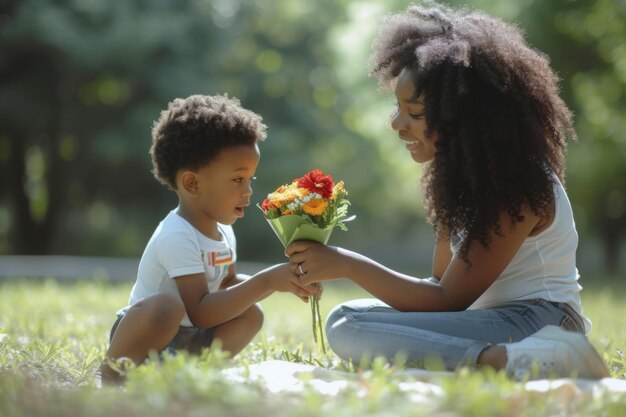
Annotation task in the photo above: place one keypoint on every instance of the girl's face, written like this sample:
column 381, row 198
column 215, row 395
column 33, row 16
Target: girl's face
column 410, row 122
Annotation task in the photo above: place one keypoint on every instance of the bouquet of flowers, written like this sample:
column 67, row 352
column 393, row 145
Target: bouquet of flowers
column 308, row 209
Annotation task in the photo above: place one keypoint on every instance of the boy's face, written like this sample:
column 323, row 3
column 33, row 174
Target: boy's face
column 224, row 184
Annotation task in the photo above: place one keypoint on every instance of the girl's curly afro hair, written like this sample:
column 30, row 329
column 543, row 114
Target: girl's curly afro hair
column 495, row 105
column 192, row 131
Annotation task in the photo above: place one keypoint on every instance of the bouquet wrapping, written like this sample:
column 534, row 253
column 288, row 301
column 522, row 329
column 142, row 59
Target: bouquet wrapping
column 308, row 209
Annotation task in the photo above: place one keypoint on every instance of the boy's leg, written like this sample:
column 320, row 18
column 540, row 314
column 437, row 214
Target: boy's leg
column 235, row 334
column 150, row 324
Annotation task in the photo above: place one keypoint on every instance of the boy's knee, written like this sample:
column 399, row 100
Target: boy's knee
column 166, row 309
column 256, row 317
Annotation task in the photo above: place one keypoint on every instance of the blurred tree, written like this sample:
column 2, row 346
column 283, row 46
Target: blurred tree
column 599, row 27
column 585, row 40
column 78, row 82
column 83, row 80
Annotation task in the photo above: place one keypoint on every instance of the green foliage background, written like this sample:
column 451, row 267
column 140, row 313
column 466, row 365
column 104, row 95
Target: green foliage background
column 81, row 82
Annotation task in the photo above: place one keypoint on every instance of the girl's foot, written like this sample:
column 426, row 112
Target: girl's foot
column 554, row 352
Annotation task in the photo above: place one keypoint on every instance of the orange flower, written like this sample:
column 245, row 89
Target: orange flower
column 283, row 195
column 315, row 207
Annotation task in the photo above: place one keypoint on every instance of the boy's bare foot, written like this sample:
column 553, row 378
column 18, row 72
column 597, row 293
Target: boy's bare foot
column 108, row 376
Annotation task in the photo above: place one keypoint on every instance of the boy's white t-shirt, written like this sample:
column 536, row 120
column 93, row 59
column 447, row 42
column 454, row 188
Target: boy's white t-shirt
column 176, row 248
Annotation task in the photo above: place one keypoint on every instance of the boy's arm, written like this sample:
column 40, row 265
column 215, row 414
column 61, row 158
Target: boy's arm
column 206, row 309
column 230, row 279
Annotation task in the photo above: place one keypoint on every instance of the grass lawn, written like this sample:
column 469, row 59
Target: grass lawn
column 53, row 336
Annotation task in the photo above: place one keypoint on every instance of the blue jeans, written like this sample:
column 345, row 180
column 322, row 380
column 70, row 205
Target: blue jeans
column 368, row 327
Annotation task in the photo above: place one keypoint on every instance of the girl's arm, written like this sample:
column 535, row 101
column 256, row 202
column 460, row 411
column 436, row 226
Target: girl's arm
column 206, row 309
column 441, row 257
column 459, row 286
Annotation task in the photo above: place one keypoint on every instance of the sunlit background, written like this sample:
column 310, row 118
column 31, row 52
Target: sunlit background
column 81, row 82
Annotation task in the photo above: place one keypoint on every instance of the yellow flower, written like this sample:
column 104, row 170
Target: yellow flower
column 338, row 187
column 315, row 207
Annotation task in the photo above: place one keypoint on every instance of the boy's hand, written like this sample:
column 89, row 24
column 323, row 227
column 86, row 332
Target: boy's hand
column 282, row 279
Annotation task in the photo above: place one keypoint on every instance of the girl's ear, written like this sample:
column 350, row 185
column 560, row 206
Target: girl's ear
column 189, row 183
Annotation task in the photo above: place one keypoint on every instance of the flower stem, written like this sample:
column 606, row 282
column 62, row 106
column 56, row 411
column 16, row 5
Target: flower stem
column 313, row 301
column 317, row 322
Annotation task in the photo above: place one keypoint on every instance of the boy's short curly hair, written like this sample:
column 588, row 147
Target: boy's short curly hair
column 493, row 102
column 192, row 131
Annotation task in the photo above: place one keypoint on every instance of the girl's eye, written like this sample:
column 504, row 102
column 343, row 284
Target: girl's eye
column 396, row 110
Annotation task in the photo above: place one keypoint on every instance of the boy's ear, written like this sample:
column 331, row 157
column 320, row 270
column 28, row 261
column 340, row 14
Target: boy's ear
column 189, row 182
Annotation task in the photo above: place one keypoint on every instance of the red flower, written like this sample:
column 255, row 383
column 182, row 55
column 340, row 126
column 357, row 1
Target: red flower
column 267, row 205
column 317, row 182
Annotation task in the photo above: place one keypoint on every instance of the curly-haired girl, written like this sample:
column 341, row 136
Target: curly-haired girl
column 480, row 109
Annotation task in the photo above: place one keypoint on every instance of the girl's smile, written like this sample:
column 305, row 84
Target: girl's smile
column 410, row 144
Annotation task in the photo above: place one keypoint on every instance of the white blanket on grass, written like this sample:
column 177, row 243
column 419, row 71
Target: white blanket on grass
column 288, row 377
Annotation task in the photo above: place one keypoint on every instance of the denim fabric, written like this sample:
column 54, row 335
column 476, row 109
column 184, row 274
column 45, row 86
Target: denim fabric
column 367, row 327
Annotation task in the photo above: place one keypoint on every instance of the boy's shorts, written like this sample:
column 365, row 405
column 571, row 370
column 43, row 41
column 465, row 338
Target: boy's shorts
column 191, row 339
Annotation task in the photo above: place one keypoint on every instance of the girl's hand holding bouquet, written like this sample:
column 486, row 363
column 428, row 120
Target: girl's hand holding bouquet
column 308, row 209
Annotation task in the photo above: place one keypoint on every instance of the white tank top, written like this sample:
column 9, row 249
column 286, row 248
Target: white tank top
column 544, row 266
